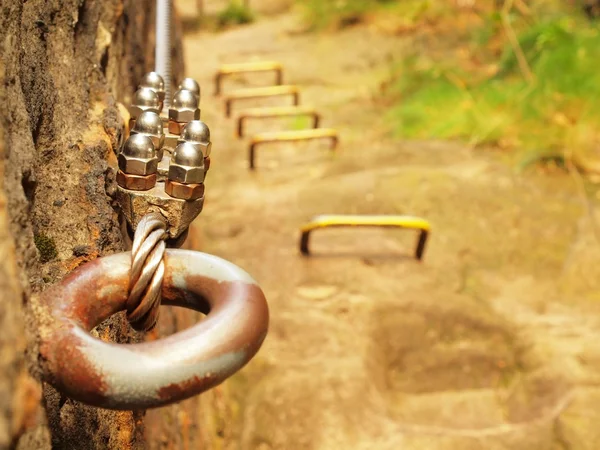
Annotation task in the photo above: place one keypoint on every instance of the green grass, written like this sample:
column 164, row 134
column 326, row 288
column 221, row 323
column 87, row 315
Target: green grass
column 46, row 247
column 339, row 13
column 336, row 14
column 556, row 112
column 236, row 13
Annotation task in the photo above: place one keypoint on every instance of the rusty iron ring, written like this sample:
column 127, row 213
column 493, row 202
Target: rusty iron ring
column 157, row 373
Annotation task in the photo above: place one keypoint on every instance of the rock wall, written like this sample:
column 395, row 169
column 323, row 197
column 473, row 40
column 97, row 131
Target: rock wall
column 64, row 66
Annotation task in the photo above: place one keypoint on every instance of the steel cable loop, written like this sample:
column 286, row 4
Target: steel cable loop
column 147, row 272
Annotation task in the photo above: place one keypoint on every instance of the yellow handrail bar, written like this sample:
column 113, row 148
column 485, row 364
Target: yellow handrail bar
column 262, row 66
column 327, row 221
column 261, row 92
column 288, row 136
column 276, row 111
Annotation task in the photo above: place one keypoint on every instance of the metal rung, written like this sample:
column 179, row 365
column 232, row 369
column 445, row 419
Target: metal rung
column 288, row 136
column 327, row 221
column 276, row 111
column 263, row 66
column 270, row 91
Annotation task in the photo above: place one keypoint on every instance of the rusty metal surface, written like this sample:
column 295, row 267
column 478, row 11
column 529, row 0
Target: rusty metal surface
column 150, row 374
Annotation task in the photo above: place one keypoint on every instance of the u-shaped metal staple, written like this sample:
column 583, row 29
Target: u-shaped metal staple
column 262, row 92
column 290, row 136
column 277, row 111
column 261, row 66
column 150, row 374
column 329, row 221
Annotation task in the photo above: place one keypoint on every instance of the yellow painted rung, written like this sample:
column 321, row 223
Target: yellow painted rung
column 261, row 66
column 260, row 92
column 258, row 66
column 276, row 111
column 358, row 220
column 287, row 136
column 299, row 135
column 326, row 221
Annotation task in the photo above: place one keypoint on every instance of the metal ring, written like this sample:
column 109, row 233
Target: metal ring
column 157, row 373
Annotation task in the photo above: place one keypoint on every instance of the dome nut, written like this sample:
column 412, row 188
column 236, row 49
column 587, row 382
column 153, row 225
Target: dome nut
column 138, row 156
column 187, row 165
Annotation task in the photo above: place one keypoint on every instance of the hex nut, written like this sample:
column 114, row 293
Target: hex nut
column 197, row 133
column 184, row 191
column 187, row 165
column 189, row 84
column 136, row 182
column 154, row 81
column 176, row 128
column 184, row 107
column 138, row 156
column 144, row 99
column 150, row 124
column 186, row 174
column 206, row 163
column 184, row 116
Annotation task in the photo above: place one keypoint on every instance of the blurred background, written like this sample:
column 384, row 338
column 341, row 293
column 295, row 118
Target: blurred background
column 480, row 117
column 516, row 75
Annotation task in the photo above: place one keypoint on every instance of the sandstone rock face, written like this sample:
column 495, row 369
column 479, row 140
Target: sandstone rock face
column 64, row 65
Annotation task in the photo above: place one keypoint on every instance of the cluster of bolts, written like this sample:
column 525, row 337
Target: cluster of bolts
column 172, row 147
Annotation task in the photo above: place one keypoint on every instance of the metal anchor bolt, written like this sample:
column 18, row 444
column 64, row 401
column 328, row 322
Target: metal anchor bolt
column 189, row 84
column 152, row 80
column 184, row 108
column 150, row 124
column 144, row 99
column 138, row 164
column 186, row 173
column 197, row 133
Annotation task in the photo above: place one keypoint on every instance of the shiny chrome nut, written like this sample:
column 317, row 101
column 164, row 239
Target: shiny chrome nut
column 187, row 165
column 184, row 191
column 144, row 99
column 136, row 182
column 138, row 156
column 150, row 124
column 206, row 163
column 154, row 81
column 197, row 133
column 189, row 84
column 184, row 107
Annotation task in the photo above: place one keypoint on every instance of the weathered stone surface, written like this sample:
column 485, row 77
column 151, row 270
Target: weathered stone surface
column 66, row 64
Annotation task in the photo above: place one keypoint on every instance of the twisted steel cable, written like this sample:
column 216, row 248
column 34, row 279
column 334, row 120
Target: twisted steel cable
column 147, row 272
